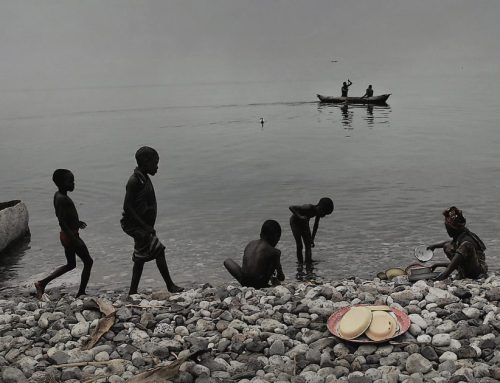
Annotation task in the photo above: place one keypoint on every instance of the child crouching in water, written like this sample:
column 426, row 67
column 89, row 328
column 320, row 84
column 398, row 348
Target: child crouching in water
column 299, row 223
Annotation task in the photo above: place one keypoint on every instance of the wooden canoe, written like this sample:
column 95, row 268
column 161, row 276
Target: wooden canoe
column 13, row 222
column 381, row 99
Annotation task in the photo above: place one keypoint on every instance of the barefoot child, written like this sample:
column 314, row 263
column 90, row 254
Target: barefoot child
column 299, row 222
column 261, row 259
column 139, row 217
column 70, row 239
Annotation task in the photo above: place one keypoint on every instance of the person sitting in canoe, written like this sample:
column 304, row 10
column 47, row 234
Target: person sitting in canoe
column 465, row 250
column 261, row 259
column 368, row 93
column 345, row 87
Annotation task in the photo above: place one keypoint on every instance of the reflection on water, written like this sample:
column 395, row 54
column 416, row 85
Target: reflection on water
column 306, row 272
column 374, row 114
column 11, row 257
column 346, row 116
column 369, row 115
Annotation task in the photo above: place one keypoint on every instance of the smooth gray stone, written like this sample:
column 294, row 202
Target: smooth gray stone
column 13, row 375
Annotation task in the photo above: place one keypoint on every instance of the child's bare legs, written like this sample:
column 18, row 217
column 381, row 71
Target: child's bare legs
column 162, row 266
column 70, row 252
column 235, row 270
column 302, row 235
column 83, row 254
column 297, row 235
column 136, row 277
column 308, row 255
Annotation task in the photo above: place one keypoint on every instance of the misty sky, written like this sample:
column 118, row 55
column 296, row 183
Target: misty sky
column 64, row 43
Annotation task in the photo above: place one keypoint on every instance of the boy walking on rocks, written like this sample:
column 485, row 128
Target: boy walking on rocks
column 139, row 217
column 70, row 239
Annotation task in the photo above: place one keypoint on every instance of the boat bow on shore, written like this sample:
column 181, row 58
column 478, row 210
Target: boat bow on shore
column 13, row 222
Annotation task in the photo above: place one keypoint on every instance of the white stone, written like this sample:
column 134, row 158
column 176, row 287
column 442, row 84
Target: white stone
column 418, row 320
column 80, row 329
column 471, row 312
column 441, row 340
column 269, row 325
column 415, row 330
column 446, row 327
column 424, row 339
column 102, row 356
column 436, row 295
column 199, row 370
column 448, row 355
column 182, row 331
column 455, row 345
column 137, row 335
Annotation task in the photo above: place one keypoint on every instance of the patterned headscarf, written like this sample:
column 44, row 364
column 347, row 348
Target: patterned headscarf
column 454, row 218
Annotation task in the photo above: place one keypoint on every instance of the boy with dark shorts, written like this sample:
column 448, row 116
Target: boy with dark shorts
column 299, row 222
column 261, row 259
column 70, row 239
column 139, row 217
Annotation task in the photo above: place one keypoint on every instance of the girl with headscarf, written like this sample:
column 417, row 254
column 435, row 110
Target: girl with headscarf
column 465, row 250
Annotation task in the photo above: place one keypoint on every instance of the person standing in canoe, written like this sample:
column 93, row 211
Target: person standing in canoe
column 345, row 87
column 368, row 93
column 465, row 251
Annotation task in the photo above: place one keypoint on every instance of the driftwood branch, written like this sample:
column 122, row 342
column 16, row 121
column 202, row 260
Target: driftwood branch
column 83, row 364
column 163, row 373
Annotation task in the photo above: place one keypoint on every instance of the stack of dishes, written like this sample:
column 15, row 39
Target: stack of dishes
column 367, row 323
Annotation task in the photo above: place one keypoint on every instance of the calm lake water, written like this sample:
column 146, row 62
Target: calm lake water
column 390, row 171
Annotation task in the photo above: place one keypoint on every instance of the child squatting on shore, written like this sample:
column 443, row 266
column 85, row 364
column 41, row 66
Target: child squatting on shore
column 70, row 239
column 139, row 217
column 261, row 259
column 465, row 250
column 299, row 222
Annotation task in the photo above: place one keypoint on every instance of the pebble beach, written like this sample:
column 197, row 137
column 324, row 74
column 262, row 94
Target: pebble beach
column 277, row 334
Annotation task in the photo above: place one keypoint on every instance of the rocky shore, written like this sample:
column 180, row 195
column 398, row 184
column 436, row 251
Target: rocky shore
column 273, row 335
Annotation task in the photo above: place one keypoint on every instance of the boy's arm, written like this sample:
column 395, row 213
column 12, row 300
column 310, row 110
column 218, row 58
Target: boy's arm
column 279, row 269
column 455, row 262
column 298, row 211
column 128, row 206
column 315, row 228
column 439, row 245
column 439, row 264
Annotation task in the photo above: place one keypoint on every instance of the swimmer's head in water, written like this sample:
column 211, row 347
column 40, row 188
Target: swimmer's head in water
column 64, row 179
column 271, row 232
column 325, row 206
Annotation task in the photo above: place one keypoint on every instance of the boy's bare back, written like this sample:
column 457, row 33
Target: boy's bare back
column 260, row 258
